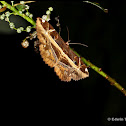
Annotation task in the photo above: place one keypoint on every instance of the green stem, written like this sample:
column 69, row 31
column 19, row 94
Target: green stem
column 17, row 13
column 88, row 63
column 103, row 74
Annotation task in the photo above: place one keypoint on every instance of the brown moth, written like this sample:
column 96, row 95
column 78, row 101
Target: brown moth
column 56, row 53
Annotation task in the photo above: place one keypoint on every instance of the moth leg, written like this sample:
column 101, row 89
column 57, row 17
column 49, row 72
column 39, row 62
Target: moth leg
column 49, row 30
column 36, row 46
column 67, row 43
column 33, row 35
column 79, row 64
column 77, row 61
column 55, row 37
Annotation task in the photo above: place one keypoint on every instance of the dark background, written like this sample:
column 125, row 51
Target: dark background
column 33, row 92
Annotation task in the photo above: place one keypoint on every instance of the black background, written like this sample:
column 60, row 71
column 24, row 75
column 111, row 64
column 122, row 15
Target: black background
column 32, row 91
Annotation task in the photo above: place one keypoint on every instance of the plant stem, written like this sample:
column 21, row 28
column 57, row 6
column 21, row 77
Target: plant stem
column 102, row 73
column 17, row 13
column 88, row 63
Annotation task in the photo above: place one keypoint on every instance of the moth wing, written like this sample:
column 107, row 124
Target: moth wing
column 66, row 72
column 48, row 55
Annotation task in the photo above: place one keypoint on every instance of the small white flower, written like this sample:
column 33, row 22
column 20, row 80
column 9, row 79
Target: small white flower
column 45, row 18
column 50, row 9
column 20, row 12
column 27, row 13
column 21, row 28
column 28, row 29
column 48, row 18
column 48, row 12
column 30, row 15
column 7, row 14
column 12, row 25
column 23, row 10
column 18, row 30
column 12, row 3
column 7, row 19
column 2, row 16
column 27, row 7
column 25, row 44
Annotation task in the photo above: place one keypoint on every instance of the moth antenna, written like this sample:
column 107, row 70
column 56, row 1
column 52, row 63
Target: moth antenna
column 68, row 34
column 79, row 44
column 24, row 3
column 68, row 42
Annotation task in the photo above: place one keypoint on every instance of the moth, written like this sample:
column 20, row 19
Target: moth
column 57, row 54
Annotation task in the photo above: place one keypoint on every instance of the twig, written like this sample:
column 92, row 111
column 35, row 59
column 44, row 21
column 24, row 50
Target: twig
column 103, row 74
column 24, row 2
column 88, row 63
column 17, row 13
column 97, row 5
